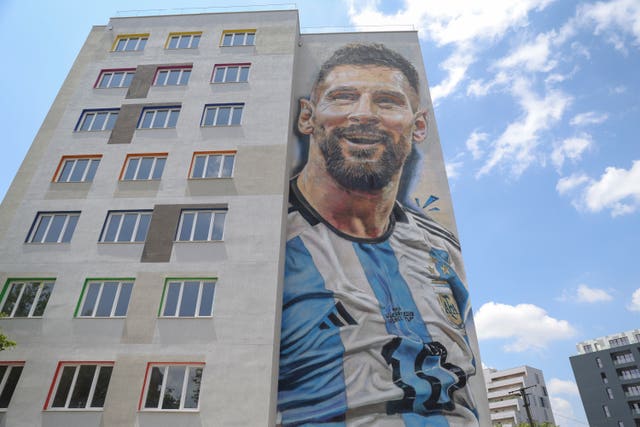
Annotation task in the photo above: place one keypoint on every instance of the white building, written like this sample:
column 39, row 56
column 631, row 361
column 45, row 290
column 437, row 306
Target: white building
column 506, row 405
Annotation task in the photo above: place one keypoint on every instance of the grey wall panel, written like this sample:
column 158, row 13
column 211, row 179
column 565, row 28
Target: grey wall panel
column 142, row 81
column 122, row 132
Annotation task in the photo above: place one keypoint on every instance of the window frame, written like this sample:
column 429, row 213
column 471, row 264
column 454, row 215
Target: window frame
column 182, row 280
column 121, row 282
column 134, row 233
column 155, row 109
column 64, row 159
column 113, row 71
column 142, row 156
column 180, row 35
column 6, row 293
column 194, row 225
column 10, row 366
column 236, row 33
column 107, row 125
column 232, row 105
column 169, row 68
column 224, row 154
column 166, row 365
column 243, row 65
column 33, row 231
column 55, row 383
column 128, row 37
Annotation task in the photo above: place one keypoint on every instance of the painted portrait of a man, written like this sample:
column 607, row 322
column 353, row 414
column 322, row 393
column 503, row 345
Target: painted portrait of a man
column 375, row 316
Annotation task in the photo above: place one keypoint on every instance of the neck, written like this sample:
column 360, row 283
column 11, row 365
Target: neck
column 360, row 214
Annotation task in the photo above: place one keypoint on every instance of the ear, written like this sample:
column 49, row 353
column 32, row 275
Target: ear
column 305, row 117
column 420, row 126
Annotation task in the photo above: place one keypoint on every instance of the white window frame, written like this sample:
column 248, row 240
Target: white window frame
column 181, row 283
column 180, row 36
column 73, row 160
column 242, row 37
column 121, row 283
column 154, row 111
column 89, row 116
column 127, row 77
column 214, row 118
column 215, row 213
column 225, row 75
column 140, row 158
column 5, row 378
column 40, row 216
column 182, row 72
column 165, row 368
column 110, row 217
column 92, row 389
column 207, row 158
column 141, row 42
column 11, row 283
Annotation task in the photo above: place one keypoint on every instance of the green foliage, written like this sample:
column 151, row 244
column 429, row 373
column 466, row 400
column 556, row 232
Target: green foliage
column 5, row 342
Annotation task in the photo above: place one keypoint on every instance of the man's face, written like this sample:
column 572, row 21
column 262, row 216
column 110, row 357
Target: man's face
column 363, row 123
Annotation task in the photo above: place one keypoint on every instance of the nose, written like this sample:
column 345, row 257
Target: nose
column 364, row 111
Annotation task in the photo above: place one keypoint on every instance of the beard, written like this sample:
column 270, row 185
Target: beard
column 361, row 171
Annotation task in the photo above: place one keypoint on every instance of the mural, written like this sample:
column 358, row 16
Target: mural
column 376, row 322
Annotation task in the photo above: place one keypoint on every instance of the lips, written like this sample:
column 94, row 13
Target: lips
column 364, row 139
column 362, row 135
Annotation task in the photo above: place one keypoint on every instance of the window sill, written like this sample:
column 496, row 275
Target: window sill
column 210, row 178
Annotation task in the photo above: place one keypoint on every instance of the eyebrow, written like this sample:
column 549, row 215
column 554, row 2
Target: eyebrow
column 339, row 89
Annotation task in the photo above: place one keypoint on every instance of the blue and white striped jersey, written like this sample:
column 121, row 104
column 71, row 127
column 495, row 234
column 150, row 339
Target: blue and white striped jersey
column 374, row 331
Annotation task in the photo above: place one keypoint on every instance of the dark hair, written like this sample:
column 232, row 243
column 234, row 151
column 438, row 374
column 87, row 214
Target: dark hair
column 369, row 54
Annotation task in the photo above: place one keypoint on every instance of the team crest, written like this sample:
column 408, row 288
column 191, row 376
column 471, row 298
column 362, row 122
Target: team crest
column 449, row 307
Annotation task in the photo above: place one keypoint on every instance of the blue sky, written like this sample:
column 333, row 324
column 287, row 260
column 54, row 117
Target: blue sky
column 537, row 107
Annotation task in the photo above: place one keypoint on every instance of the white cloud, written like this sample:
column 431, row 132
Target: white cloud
column 562, row 406
column 588, row 118
column 568, row 183
column 591, row 295
column 453, row 169
column 634, row 305
column 617, row 190
column 614, row 19
column 558, row 386
column 570, row 148
column 618, row 90
column 465, row 25
column 516, row 147
column 473, row 143
column 525, row 326
column 532, row 56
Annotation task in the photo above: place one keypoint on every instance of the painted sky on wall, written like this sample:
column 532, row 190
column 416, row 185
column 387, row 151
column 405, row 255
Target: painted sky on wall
column 537, row 106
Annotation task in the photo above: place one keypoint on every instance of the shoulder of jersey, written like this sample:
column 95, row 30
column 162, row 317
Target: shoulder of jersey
column 429, row 225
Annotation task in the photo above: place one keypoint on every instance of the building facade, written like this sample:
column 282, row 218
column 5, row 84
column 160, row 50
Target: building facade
column 607, row 372
column 143, row 238
column 505, row 401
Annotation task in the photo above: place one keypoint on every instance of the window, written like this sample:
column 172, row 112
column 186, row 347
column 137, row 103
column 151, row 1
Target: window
column 609, row 393
column 115, row 78
column 632, row 390
column 239, row 38
column 620, row 424
column 637, row 336
column 212, row 165
column 126, row 226
column 172, row 386
column 619, row 341
column 105, row 298
column 140, row 167
column 130, row 42
column 159, row 117
column 172, row 76
column 542, row 404
column 9, row 376
column 230, row 73
column 622, row 357
column 605, row 408
column 97, row 120
column 628, row 373
column 183, row 41
column 26, row 297
column 222, row 114
column 599, row 362
column 604, row 378
column 587, row 348
column 201, row 225
column 53, row 227
column 635, row 407
column 77, row 168
column 188, row 298
column 80, row 386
